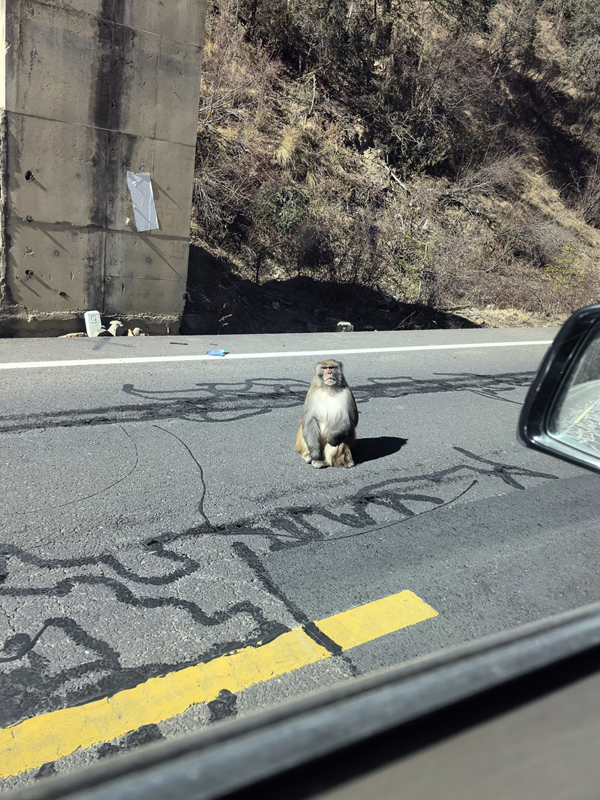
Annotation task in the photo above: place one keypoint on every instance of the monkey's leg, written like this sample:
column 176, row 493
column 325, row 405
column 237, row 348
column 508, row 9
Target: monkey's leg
column 340, row 456
column 312, row 439
column 320, row 461
column 301, row 447
column 329, row 454
column 340, row 440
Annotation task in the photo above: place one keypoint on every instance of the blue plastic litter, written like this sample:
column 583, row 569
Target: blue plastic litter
column 216, row 352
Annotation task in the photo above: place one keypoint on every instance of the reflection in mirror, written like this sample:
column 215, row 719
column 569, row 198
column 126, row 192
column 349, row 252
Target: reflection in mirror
column 575, row 416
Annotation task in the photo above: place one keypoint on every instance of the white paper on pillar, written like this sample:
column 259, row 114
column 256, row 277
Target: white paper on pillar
column 142, row 197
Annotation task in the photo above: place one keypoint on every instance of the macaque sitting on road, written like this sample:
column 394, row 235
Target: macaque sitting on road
column 329, row 419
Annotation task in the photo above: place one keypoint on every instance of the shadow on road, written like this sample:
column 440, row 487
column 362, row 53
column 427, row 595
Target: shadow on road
column 376, row 447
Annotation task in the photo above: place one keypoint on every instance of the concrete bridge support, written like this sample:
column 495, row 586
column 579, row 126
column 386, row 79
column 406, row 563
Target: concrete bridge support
column 91, row 90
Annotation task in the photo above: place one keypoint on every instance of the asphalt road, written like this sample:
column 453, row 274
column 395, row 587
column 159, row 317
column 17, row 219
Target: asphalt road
column 155, row 517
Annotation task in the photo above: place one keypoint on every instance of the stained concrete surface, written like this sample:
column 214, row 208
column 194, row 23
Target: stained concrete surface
column 93, row 89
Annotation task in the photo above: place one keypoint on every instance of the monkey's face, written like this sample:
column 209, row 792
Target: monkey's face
column 329, row 375
column 329, row 372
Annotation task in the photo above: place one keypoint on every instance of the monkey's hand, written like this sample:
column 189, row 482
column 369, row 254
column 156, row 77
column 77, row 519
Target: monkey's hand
column 318, row 464
column 337, row 437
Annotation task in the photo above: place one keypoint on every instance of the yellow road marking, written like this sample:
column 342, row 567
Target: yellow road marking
column 581, row 416
column 368, row 622
column 35, row 741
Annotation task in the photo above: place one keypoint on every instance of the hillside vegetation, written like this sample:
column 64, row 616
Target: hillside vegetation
column 442, row 153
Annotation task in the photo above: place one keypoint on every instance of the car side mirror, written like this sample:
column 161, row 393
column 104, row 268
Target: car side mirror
column 561, row 414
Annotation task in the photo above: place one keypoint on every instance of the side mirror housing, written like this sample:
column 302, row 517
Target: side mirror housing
column 561, row 414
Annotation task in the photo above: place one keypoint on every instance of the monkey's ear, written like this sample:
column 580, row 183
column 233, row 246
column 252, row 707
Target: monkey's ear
column 341, row 366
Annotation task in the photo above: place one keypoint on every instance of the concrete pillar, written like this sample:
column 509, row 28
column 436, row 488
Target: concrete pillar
column 89, row 90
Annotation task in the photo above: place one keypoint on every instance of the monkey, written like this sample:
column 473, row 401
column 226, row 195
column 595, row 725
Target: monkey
column 329, row 419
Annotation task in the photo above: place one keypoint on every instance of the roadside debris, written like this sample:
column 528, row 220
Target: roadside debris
column 94, row 327
column 93, row 322
column 346, row 327
column 337, row 324
column 116, row 328
column 216, row 352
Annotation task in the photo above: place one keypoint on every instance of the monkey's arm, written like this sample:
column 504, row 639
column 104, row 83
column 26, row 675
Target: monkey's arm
column 310, row 431
column 346, row 425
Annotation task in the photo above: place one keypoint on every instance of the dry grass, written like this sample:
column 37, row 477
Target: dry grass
column 293, row 179
column 517, row 318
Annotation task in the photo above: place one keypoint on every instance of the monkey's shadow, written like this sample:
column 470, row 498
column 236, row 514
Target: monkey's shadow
column 376, row 447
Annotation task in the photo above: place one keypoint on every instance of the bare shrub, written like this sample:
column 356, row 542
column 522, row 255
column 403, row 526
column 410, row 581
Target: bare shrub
column 521, row 31
column 366, row 260
column 332, row 37
column 557, row 289
column 450, row 264
column 315, row 254
column 341, row 249
column 234, row 75
column 531, row 237
column 502, row 176
column 528, row 262
column 230, row 158
column 587, row 196
column 226, row 184
column 439, row 270
column 444, row 108
column 308, row 152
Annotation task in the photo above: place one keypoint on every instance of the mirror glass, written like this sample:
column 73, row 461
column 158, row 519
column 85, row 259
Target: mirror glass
column 575, row 416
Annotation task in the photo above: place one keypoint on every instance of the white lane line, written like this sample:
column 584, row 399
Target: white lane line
column 94, row 362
